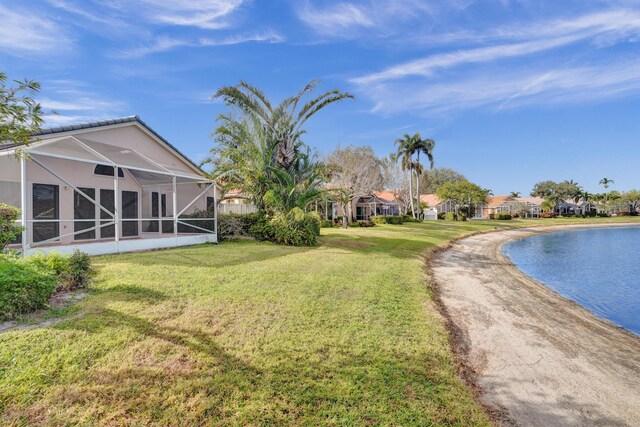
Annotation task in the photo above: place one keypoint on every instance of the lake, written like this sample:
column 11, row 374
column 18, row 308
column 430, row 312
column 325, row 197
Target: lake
column 599, row 268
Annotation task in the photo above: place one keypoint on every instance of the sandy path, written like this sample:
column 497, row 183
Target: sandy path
column 544, row 360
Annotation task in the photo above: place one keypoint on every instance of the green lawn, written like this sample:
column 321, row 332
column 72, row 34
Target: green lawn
column 248, row 333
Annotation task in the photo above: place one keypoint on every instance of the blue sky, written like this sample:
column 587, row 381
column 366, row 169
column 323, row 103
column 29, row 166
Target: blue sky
column 512, row 91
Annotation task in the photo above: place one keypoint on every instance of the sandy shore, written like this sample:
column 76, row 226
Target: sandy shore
column 538, row 358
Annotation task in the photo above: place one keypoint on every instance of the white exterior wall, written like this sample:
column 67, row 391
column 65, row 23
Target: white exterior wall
column 81, row 174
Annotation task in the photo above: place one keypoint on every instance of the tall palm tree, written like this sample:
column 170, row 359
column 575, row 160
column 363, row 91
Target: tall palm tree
column 426, row 147
column 606, row 182
column 404, row 155
column 515, row 194
column 282, row 122
column 409, row 145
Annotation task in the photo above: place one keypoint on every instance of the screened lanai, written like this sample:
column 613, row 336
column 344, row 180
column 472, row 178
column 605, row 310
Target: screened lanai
column 66, row 189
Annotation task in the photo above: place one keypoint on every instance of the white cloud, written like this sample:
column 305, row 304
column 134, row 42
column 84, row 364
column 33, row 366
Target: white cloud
column 502, row 89
column 372, row 18
column 337, row 19
column 206, row 14
column 164, row 43
column 28, row 33
column 610, row 26
column 74, row 102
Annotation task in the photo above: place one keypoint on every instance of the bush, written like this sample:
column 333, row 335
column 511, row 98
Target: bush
column 236, row 225
column 503, row 216
column 395, row 220
column 547, row 215
column 24, row 286
column 295, row 228
column 440, row 215
column 451, row 216
column 326, row 223
column 8, row 229
column 368, row 223
column 409, row 218
column 603, row 215
column 73, row 272
column 379, row 219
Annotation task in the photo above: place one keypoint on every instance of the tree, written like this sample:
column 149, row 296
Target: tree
column 353, row 172
column 519, row 209
column 432, row 179
column 396, row 181
column 409, row 145
column 243, row 158
column 606, row 182
column 564, row 190
column 515, row 194
column 20, row 114
column 283, row 122
column 462, row 194
column 548, row 205
column 632, row 198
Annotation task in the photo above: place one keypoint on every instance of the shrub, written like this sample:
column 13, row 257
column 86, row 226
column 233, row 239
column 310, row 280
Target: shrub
column 547, row 215
column 326, row 223
column 24, row 286
column 396, row 220
column 354, row 224
column 603, row 215
column 368, row 223
column 441, row 215
column 73, row 272
column 623, row 213
column 503, row 216
column 409, row 218
column 379, row 219
column 451, row 216
column 295, row 228
column 8, row 229
column 236, row 225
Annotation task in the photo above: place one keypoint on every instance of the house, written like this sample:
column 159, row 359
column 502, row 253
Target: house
column 510, row 205
column 105, row 187
column 237, row 202
column 363, row 208
column 432, row 201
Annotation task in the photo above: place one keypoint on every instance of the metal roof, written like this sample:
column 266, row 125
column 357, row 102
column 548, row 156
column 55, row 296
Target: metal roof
column 102, row 123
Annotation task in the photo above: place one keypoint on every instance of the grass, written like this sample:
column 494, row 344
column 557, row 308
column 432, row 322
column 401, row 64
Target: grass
column 248, row 333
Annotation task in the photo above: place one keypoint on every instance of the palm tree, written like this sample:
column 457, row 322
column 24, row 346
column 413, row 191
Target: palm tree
column 425, row 146
column 283, row 122
column 515, row 194
column 409, row 145
column 404, row 154
column 606, row 182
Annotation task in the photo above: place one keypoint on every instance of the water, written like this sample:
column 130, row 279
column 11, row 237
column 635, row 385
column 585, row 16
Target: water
column 599, row 268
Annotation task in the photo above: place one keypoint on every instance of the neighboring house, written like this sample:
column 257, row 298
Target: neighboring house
column 106, row 187
column 377, row 203
column 508, row 204
column 237, row 202
column 434, row 202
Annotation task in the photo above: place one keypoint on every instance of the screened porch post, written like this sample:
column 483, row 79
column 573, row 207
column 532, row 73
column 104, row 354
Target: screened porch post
column 116, row 204
column 175, row 206
column 23, row 200
column 215, row 210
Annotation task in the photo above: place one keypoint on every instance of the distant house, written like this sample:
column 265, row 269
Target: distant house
column 432, row 201
column 378, row 203
column 105, row 187
column 508, row 204
column 237, row 202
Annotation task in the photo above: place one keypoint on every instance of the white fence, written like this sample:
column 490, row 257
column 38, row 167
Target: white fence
column 236, row 208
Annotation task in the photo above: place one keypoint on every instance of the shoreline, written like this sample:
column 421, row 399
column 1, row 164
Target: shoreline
column 531, row 355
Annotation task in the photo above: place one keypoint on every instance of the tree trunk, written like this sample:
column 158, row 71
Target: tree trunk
column 418, row 186
column 345, row 222
column 413, row 212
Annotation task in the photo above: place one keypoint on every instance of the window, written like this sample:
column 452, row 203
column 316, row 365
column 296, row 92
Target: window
column 83, row 208
column 46, row 207
column 107, row 170
column 108, row 202
column 129, row 211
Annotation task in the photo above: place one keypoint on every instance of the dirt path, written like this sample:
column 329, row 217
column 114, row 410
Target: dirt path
column 542, row 359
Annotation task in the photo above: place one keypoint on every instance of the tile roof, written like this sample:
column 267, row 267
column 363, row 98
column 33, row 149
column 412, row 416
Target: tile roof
column 431, row 200
column 495, row 201
column 385, row 196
